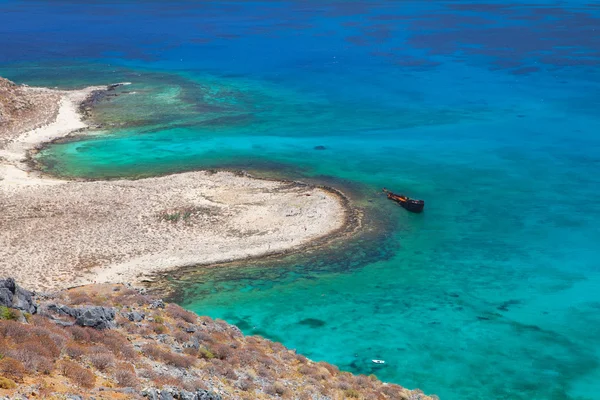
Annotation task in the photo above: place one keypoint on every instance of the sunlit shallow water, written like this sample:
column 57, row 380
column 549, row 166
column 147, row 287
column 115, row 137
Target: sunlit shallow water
column 488, row 112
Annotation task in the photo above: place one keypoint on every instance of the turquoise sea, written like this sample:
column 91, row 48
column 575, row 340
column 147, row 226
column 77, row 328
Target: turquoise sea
column 488, row 110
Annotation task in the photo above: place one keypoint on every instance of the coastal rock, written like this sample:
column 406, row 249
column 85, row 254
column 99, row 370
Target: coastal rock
column 5, row 298
column 96, row 317
column 135, row 316
column 151, row 394
column 91, row 316
column 164, row 395
column 157, row 304
column 185, row 395
column 14, row 296
column 206, row 395
column 174, row 393
column 62, row 310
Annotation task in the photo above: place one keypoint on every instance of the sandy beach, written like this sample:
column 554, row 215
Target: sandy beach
column 56, row 234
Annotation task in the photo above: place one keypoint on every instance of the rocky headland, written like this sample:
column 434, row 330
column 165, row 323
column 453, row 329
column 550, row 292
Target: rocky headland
column 114, row 342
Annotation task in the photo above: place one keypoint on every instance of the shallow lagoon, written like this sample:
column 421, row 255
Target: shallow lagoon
column 487, row 111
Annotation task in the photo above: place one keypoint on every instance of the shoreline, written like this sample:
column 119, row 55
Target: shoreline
column 77, row 232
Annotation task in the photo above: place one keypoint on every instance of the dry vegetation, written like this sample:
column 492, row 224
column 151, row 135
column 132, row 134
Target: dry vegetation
column 168, row 347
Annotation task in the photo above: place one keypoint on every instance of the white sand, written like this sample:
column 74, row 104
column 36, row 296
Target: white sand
column 56, row 234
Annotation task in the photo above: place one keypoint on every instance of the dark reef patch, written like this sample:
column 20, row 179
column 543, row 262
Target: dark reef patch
column 312, row 322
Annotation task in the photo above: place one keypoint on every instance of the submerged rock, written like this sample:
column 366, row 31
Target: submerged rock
column 320, row 148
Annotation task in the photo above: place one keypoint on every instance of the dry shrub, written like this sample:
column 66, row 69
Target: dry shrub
column 80, row 334
column 182, row 337
column 12, row 368
column 247, row 357
column 203, row 337
column 245, row 384
column 79, row 297
column 352, row 394
column 277, row 389
column 265, row 373
column 35, row 356
column 308, row 393
column 152, row 350
column 178, row 360
column 118, row 345
column 276, row 347
column 176, row 312
column 364, row 381
column 130, row 297
column 195, row 385
column 75, row 350
column 190, row 351
column 159, row 329
column 77, row 374
column 332, row 369
column 162, row 380
column 221, row 351
column 13, row 330
column 308, row 370
column 6, row 383
column 230, row 374
column 301, row 359
column 102, row 361
column 126, row 378
column 205, row 354
column 168, row 357
column 86, row 335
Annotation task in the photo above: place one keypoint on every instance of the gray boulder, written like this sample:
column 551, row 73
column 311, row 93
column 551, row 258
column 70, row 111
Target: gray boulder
column 91, row 316
column 96, row 317
column 135, row 316
column 206, row 395
column 5, row 297
column 157, row 304
column 14, row 296
column 185, row 395
column 152, row 394
column 63, row 310
column 164, row 395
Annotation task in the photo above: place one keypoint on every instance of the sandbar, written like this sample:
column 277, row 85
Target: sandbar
column 56, row 234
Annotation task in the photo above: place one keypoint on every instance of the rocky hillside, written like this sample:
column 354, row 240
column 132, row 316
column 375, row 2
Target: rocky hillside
column 113, row 342
column 23, row 108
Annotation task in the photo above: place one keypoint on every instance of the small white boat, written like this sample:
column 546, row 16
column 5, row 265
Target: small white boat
column 378, row 361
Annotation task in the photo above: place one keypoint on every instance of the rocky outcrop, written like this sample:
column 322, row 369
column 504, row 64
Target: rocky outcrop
column 175, row 394
column 178, row 355
column 91, row 316
column 135, row 316
column 14, row 296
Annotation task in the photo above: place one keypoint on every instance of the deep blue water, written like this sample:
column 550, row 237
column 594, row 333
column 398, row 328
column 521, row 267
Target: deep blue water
column 490, row 111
